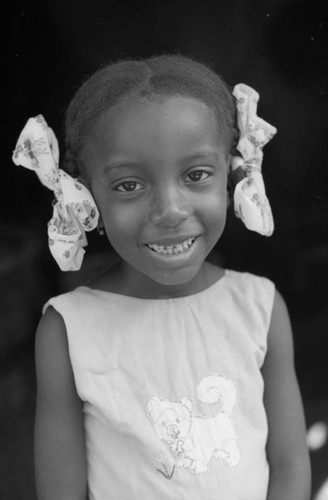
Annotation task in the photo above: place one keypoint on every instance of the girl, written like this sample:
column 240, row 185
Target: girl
column 166, row 378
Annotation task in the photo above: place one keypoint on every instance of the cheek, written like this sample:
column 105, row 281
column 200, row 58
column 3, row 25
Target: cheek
column 121, row 222
column 215, row 206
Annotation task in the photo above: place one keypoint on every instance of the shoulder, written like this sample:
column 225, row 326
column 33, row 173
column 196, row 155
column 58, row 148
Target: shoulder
column 51, row 347
column 280, row 351
column 56, row 388
column 251, row 288
column 66, row 307
column 280, row 331
column 280, row 325
column 249, row 278
column 51, row 326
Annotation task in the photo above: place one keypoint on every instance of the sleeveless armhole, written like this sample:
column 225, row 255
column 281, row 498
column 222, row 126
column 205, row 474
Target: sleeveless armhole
column 264, row 295
column 63, row 305
column 254, row 298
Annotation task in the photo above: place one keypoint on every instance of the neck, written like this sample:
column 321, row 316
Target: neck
column 128, row 281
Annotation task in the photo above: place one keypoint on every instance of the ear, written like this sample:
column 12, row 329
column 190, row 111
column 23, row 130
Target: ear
column 229, row 197
column 100, row 222
column 235, row 175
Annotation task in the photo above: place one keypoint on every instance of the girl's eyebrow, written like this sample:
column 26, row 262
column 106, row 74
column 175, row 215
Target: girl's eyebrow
column 206, row 153
column 118, row 164
column 196, row 155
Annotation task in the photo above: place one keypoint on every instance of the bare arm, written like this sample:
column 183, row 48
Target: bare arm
column 290, row 475
column 60, row 463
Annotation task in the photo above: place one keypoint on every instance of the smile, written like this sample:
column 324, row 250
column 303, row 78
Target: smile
column 172, row 249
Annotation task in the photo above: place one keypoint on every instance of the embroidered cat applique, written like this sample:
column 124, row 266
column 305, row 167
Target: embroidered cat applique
column 194, row 440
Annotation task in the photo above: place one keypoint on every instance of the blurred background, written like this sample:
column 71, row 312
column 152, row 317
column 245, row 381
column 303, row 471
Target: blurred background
column 279, row 47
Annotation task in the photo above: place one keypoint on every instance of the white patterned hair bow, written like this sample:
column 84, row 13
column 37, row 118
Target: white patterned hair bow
column 74, row 209
column 250, row 201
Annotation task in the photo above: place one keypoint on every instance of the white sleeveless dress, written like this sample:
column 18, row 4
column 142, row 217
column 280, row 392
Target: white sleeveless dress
column 172, row 390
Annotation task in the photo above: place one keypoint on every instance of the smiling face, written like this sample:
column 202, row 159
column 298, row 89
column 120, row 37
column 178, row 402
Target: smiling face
column 158, row 172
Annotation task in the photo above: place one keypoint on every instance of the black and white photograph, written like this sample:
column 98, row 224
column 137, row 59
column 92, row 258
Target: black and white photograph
column 164, row 250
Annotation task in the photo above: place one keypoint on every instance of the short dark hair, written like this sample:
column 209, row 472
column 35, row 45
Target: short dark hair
column 164, row 75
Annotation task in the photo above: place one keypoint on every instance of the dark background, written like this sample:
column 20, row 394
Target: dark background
column 279, row 47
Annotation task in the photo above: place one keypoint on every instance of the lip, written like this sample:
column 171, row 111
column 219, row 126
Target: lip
column 172, row 261
column 177, row 240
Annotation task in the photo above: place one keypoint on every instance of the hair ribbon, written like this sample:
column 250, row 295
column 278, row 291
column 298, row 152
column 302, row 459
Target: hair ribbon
column 74, row 209
column 251, row 204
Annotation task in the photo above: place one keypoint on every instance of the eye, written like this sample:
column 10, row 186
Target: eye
column 128, row 186
column 198, row 175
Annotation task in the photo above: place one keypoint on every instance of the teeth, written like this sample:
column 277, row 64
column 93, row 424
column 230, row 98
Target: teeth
column 172, row 249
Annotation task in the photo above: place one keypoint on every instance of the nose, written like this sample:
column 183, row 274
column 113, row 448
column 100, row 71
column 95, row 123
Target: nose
column 169, row 207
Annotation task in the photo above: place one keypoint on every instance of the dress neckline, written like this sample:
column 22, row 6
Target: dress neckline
column 217, row 284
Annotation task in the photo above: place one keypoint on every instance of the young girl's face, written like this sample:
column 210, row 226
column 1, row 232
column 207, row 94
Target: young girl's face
column 158, row 172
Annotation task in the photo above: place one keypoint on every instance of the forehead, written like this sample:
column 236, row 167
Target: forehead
column 160, row 126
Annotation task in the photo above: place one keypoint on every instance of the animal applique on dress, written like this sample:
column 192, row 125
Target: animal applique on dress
column 194, row 440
